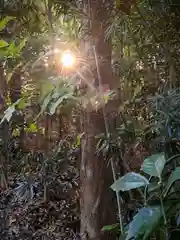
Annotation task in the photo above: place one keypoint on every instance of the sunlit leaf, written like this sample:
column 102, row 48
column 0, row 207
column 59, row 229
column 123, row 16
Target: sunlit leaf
column 110, row 227
column 16, row 132
column 12, row 50
column 9, row 76
column 21, row 104
column 3, row 43
column 8, row 113
column 154, row 165
column 4, row 22
column 21, row 45
column 60, row 100
column 129, row 181
column 31, row 128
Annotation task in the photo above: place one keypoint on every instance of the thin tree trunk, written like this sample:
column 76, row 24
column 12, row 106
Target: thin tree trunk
column 96, row 197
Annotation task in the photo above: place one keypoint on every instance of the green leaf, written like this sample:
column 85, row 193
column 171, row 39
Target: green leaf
column 21, row 104
column 13, row 50
column 154, row 165
column 3, row 43
column 110, row 227
column 60, row 100
column 144, row 222
column 9, row 76
column 33, row 127
column 21, row 45
column 46, row 102
column 174, row 176
column 4, row 22
column 78, row 141
column 57, row 103
column 129, row 181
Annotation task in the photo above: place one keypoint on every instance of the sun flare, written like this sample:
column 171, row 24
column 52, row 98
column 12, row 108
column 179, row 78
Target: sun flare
column 67, row 59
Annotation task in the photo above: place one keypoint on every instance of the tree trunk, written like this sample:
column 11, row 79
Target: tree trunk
column 96, row 200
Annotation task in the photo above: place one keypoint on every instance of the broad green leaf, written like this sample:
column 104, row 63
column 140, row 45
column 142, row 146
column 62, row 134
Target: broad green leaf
column 3, row 43
column 60, row 100
column 129, row 181
column 144, row 222
column 154, row 165
column 56, row 104
column 4, row 22
column 174, row 176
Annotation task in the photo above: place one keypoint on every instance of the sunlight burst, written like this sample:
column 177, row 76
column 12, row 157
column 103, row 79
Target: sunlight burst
column 67, row 59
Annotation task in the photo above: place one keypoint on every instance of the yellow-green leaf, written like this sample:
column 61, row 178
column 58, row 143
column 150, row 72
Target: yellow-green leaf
column 33, row 127
column 3, row 43
column 4, row 22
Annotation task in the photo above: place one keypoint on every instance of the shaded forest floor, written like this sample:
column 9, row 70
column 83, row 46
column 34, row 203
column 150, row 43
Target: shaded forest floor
column 43, row 206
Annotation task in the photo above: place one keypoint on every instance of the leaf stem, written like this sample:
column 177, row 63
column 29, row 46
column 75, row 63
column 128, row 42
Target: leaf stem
column 163, row 210
column 118, row 200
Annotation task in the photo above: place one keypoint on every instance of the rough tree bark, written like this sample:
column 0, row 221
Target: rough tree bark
column 96, row 200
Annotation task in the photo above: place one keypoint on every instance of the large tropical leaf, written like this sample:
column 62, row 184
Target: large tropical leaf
column 154, row 165
column 60, row 101
column 144, row 222
column 129, row 181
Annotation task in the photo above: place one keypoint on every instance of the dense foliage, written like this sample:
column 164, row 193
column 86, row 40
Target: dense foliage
column 42, row 106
